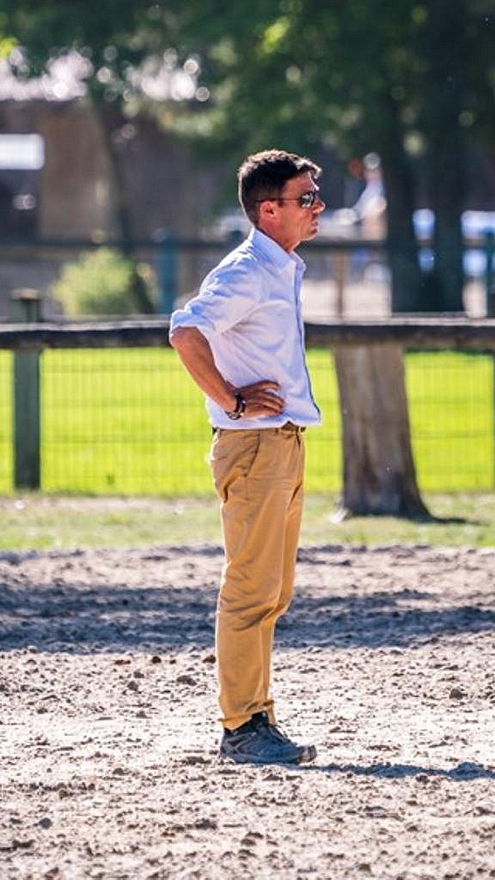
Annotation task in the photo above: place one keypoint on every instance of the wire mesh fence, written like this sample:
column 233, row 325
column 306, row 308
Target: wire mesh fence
column 131, row 421
column 451, row 407
column 140, row 424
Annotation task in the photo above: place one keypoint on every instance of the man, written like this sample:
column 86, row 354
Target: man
column 241, row 339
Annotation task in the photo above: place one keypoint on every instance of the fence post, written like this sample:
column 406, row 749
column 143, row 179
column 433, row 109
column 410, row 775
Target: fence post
column 489, row 275
column 490, row 310
column 167, row 274
column 25, row 307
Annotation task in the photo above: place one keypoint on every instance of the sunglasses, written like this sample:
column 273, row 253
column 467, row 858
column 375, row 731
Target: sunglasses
column 306, row 200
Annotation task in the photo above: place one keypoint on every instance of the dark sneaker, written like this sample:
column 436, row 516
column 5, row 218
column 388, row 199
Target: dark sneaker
column 308, row 752
column 259, row 742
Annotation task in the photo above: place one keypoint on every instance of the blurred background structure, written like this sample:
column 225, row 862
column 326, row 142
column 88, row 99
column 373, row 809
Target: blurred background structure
column 144, row 115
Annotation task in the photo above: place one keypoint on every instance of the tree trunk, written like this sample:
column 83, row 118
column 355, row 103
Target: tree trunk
column 406, row 281
column 109, row 125
column 379, row 476
column 447, row 149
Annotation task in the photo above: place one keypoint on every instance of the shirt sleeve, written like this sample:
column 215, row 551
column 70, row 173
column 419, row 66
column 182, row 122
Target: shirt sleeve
column 225, row 298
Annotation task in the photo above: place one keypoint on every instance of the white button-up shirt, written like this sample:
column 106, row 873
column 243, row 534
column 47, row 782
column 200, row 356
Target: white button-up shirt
column 249, row 310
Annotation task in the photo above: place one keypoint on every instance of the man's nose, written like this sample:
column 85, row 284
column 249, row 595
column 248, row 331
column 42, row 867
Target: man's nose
column 319, row 205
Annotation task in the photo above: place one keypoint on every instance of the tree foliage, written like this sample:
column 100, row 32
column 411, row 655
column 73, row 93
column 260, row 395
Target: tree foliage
column 300, row 70
column 410, row 79
column 125, row 44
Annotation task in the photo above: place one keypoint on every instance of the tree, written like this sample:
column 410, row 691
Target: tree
column 125, row 47
column 444, row 51
column 396, row 80
column 378, row 469
column 301, row 72
column 408, row 79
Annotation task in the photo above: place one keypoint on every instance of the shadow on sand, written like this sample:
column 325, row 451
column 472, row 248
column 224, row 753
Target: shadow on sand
column 75, row 617
column 463, row 772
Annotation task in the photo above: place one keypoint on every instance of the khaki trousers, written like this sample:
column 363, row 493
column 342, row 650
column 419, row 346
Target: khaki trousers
column 258, row 476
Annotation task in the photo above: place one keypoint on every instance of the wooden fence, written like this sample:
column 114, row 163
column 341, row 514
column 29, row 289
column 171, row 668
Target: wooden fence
column 411, row 333
column 27, row 339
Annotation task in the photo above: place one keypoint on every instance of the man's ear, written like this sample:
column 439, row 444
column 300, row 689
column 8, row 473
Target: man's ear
column 267, row 210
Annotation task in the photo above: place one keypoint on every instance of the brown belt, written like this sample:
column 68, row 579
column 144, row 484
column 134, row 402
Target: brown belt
column 290, row 426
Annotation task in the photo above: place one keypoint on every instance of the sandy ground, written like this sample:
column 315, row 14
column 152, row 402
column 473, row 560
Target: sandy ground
column 108, row 728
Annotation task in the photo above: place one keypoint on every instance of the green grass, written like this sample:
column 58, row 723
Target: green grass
column 138, row 426
column 130, row 421
column 451, row 406
column 43, row 522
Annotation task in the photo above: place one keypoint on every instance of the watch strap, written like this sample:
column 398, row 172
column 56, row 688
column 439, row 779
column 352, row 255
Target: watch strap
column 238, row 412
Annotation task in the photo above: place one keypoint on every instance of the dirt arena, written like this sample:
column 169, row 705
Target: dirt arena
column 108, row 728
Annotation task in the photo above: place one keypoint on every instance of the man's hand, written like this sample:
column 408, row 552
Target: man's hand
column 262, row 399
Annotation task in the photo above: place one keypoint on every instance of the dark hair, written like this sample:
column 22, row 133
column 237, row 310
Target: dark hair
column 264, row 175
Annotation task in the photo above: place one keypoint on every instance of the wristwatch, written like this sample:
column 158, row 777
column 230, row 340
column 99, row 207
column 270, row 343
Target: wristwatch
column 238, row 412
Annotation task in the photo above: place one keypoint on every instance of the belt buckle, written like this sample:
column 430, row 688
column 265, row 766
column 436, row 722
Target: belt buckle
column 290, row 426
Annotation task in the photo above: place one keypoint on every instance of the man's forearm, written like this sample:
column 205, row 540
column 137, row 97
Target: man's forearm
column 195, row 353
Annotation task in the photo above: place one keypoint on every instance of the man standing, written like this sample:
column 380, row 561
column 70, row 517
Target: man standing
column 241, row 339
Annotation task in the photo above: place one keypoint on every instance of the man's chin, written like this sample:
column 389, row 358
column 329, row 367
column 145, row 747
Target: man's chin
column 312, row 232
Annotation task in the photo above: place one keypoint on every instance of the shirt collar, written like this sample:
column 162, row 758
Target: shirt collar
column 274, row 252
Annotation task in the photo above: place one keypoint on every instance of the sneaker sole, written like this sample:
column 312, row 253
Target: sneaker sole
column 305, row 756
column 309, row 754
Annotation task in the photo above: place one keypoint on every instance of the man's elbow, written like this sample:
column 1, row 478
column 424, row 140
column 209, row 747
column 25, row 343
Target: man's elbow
column 182, row 337
column 176, row 337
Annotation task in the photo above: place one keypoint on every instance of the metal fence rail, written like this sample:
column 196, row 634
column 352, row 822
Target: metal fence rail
column 118, row 414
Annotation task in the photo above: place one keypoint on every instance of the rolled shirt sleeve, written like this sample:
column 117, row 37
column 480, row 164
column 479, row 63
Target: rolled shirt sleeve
column 227, row 296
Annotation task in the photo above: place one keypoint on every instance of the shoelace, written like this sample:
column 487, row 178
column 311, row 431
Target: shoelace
column 272, row 729
column 278, row 734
